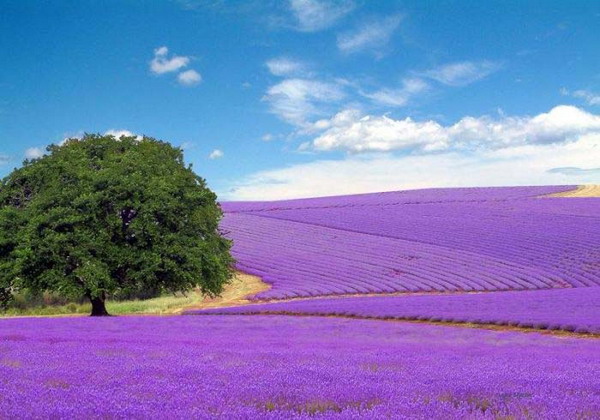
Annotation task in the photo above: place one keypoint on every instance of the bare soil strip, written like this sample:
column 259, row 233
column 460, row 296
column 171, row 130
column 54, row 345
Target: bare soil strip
column 236, row 293
column 581, row 191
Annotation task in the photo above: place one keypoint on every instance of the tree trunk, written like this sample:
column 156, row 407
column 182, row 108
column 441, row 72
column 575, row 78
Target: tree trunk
column 98, row 306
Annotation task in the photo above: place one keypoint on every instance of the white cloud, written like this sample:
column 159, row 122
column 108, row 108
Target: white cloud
column 574, row 171
column 353, row 132
column 161, row 63
column 316, row 15
column 283, row 66
column 77, row 135
column 34, row 153
column 187, row 145
column 189, row 77
column 522, row 165
column 117, row 134
column 370, row 36
column 161, row 51
column 590, row 98
column 121, row 133
column 267, row 137
column 4, row 159
column 401, row 96
column 216, row 154
column 294, row 100
column 463, row 73
column 350, row 131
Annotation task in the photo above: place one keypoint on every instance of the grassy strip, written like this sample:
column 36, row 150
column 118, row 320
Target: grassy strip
column 157, row 306
column 234, row 293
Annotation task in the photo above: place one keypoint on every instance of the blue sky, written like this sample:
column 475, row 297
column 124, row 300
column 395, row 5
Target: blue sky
column 279, row 99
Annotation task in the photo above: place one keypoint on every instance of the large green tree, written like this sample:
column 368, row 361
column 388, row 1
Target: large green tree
column 99, row 215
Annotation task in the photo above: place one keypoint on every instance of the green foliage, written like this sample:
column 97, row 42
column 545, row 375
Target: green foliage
column 102, row 216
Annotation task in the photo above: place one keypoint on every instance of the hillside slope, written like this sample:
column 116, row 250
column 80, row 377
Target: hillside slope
column 464, row 239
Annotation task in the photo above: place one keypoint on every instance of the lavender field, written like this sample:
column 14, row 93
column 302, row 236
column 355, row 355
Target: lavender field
column 286, row 367
column 502, row 256
column 300, row 209
column 573, row 310
column 417, row 241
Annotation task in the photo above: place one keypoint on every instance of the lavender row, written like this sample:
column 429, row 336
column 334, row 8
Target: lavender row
column 575, row 309
column 304, row 260
column 453, row 239
column 537, row 232
column 288, row 367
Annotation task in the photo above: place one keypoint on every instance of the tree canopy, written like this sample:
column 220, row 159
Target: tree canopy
column 98, row 215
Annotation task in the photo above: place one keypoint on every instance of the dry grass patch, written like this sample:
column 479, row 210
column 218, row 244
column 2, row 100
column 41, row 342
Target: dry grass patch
column 581, row 191
column 236, row 293
column 11, row 363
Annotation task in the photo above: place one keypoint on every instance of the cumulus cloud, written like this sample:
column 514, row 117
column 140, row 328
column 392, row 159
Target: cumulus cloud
column 463, row 73
column 283, row 66
column 351, row 131
column 34, row 153
column 161, row 63
column 316, row 15
column 522, row 165
column 373, row 35
column 401, row 96
column 189, row 77
column 591, row 98
column 294, row 100
column 216, row 154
